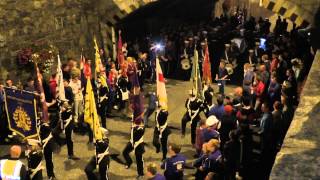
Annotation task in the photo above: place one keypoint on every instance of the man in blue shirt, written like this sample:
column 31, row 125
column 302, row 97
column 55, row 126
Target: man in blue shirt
column 221, row 77
column 152, row 104
column 265, row 125
column 174, row 166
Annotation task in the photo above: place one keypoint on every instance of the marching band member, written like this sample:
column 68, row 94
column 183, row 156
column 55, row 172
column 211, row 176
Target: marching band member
column 221, row 77
column 136, row 144
column 103, row 92
column 208, row 96
column 47, row 143
column 161, row 131
column 102, row 158
column 123, row 87
column 34, row 158
column 68, row 125
column 194, row 107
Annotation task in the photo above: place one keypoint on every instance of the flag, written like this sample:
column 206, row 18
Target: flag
column 45, row 115
column 114, row 49
column 97, row 55
column 161, row 86
column 136, row 99
column 90, row 112
column 120, row 55
column 99, row 66
column 195, row 75
column 206, row 67
column 21, row 112
column 83, row 77
column 61, row 93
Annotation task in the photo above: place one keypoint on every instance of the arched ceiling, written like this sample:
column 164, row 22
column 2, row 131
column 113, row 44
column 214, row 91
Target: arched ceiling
column 300, row 11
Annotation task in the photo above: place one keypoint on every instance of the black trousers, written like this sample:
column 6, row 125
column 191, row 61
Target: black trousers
column 103, row 168
column 68, row 132
column 161, row 142
column 138, row 153
column 103, row 113
column 186, row 118
column 47, row 151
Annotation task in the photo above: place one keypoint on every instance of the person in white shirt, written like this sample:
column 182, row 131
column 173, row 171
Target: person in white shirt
column 75, row 84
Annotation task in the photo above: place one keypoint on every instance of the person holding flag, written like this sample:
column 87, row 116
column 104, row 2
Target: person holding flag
column 34, row 158
column 194, row 104
column 136, row 142
column 101, row 158
column 103, row 89
column 65, row 112
column 161, row 131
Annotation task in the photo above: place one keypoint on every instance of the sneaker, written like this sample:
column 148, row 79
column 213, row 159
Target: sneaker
column 73, row 157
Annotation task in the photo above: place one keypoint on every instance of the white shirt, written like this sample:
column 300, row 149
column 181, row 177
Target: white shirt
column 76, row 90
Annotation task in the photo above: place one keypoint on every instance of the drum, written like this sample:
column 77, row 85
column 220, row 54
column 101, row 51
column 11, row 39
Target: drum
column 229, row 68
column 185, row 64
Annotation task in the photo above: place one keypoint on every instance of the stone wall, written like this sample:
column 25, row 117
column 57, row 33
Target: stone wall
column 28, row 22
column 67, row 24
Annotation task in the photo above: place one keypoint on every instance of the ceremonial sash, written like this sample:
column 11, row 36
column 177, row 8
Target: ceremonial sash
column 102, row 155
column 46, row 140
column 34, row 171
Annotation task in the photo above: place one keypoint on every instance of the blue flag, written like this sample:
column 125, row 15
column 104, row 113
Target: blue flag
column 21, row 112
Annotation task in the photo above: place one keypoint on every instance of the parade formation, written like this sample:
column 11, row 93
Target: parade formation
column 233, row 135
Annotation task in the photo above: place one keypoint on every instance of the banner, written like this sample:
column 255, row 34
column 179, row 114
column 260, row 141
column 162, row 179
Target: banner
column 21, row 112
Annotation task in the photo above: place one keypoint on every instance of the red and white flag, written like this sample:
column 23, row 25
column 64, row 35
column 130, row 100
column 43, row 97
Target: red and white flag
column 206, row 67
column 161, row 86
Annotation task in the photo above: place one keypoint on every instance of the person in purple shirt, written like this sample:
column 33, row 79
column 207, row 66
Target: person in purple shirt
column 218, row 110
column 152, row 174
column 210, row 161
column 174, row 166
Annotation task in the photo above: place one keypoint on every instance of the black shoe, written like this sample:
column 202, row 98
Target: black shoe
column 157, row 150
column 52, row 177
column 73, row 157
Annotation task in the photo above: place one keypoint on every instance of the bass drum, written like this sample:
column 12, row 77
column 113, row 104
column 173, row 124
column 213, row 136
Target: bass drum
column 185, row 64
column 229, row 68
